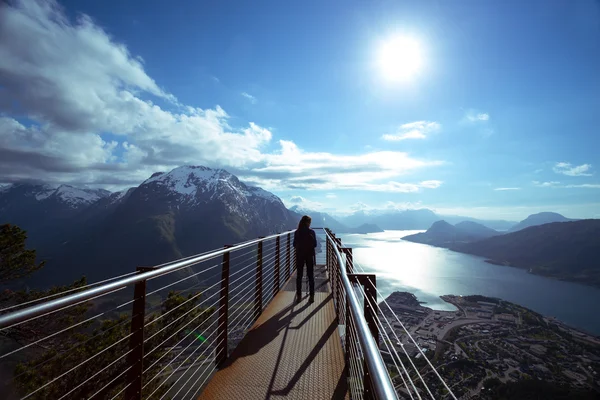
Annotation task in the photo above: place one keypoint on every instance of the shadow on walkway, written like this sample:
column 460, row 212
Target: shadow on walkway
column 265, row 333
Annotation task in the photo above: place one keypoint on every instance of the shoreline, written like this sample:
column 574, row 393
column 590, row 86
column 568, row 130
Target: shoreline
column 578, row 331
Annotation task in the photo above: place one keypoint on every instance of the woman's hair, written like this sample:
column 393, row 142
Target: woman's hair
column 304, row 221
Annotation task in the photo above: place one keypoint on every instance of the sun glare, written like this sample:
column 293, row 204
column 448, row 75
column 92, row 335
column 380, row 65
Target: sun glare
column 400, row 58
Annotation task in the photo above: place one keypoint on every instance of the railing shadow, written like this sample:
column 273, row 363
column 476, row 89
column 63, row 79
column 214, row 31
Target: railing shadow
column 264, row 334
column 307, row 361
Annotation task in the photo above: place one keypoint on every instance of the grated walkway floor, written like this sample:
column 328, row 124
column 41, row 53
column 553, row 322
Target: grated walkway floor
column 293, row 351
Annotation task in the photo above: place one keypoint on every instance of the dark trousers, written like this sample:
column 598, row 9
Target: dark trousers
column 307, row 259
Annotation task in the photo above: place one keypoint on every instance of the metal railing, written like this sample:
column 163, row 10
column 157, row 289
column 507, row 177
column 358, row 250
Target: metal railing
column 79, row 344
column 367, row 374
column 373, row 347
column 166, row 337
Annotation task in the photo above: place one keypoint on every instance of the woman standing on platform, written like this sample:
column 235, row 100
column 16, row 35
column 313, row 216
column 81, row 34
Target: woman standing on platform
column 305, row 242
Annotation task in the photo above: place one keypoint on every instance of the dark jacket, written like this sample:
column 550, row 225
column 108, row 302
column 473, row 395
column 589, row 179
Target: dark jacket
column 305, row 241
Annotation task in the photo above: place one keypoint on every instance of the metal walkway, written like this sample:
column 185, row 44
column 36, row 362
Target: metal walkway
column 293, row 351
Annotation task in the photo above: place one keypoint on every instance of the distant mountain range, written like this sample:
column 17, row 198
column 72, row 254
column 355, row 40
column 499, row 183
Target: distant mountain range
column 443, row 234
column 539, row 219
column 321, row 219
column 412, row 219
column 170, row 215
column 423, row 219
column 192, row 209
column 567, row 250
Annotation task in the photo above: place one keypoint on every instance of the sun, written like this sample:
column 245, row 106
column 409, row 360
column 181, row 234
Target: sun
column 400, row 58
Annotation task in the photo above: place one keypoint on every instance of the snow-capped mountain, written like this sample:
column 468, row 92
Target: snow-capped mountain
column 170, row 215
column 194, row 185
column 67, row 194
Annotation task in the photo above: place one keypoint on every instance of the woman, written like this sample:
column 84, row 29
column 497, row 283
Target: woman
column 305, row 242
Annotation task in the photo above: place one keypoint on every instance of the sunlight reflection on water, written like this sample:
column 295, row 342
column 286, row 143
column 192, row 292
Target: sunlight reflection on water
column 430, row 272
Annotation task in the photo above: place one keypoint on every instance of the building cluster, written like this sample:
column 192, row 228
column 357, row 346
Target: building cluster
column 489, row 338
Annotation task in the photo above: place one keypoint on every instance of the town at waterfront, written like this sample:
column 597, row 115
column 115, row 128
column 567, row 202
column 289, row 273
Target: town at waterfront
column 487, row 345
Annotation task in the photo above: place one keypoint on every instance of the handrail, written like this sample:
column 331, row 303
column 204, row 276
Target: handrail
column 18, row 316
column 382, row 385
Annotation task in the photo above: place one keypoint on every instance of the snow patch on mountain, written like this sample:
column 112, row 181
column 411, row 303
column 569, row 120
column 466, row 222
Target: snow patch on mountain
column 260, row 192
column 187, row 179
column 44, row 192
column 76, row 197
column 191, row 181
column 301, row 210
column 117, row 196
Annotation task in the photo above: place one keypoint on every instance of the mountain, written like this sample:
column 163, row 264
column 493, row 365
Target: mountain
column 413, row 219
column 443, row 234
column 539, row 219
column 364, row 228
column 496, row 224
column 475, row 229
column 566, row 250
column 48, row 212
column 393, row 219
column 171, row 215
column 320, row 219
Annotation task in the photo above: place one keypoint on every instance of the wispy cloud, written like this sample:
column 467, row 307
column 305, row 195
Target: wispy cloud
column 250, row 98
column 331, row 195
column 413, row 130
column 478, row 117
column 568, row 169
column 475, row 116
column 585, row 186
column 554, row 184
column 507, row 188
column 546, row 184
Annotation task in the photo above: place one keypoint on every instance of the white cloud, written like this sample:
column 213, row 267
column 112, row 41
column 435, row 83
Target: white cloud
column 303, row 203
column 474, row 116
column 571, row 186
column 331, row 195
column 585, row 186
column 390, row 205
column 546, row 184
column 507, row 188
column 413, row 130
column 250, row 98
column 360, row 206
column 75, row 83
column 568, row 169
column 478, row 117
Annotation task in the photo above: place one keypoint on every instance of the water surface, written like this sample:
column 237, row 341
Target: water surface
column 430, row 272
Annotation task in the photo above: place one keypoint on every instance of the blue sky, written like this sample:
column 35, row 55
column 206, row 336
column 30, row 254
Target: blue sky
column 507, row 97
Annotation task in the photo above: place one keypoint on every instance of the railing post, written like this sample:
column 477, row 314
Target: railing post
column 327, row 255
column 259, row 281
column 336, row 279
column 288, row 260
column 369, row 283
column 136, row 342
column 277, row 267
column 222, row 349
column 349, row 270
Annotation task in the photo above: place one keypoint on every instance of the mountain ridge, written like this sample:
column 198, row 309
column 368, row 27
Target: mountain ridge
column 164, row 218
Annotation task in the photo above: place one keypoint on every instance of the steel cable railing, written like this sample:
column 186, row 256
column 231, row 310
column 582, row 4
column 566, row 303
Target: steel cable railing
column 161, row 355
column 368, row 376
column 403, row 371
column 224, row 295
